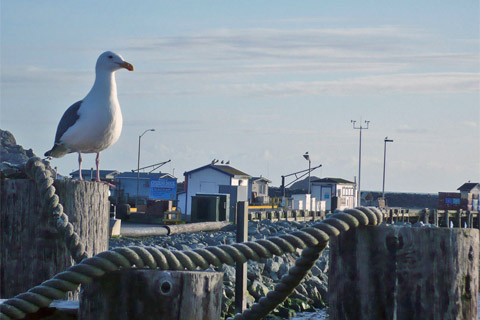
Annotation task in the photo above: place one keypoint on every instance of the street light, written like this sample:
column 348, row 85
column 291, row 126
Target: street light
column 359, row 156
column 307, row 157
column 384, row 161
column 138, row 164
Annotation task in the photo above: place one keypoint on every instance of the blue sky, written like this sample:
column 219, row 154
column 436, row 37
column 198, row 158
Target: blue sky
column 259, row 83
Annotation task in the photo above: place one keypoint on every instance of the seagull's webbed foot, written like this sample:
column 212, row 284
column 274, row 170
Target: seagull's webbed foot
column 107, row 183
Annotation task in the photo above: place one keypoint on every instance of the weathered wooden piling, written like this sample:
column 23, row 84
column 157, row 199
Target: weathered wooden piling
column 404, row 273
column 241, row 268
column 32, row 250
column 152, row 294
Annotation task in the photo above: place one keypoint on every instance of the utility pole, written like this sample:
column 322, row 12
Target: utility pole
column 138, row 165
column 361, row 127
column 384, row 161
column 307, row 157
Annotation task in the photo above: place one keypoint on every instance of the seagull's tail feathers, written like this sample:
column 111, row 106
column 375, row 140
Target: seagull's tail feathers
column 57, row 151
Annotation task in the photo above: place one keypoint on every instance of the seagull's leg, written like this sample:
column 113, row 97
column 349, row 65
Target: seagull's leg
column 97, row 162
column 80, row 167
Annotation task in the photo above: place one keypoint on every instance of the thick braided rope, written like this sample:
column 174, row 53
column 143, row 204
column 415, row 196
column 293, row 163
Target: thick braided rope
column 311, row 239
column 35, row 169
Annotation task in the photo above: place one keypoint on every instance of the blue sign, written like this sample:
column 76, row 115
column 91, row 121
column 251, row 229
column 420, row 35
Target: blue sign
column 163, row 189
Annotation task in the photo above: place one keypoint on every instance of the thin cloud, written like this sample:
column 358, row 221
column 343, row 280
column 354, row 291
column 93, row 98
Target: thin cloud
column 408, row 129
column 334, row 61
column 332, row 44
column 420, row 83
column 471, row 124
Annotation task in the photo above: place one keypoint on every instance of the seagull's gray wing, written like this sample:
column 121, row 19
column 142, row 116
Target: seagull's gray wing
column 69, row 118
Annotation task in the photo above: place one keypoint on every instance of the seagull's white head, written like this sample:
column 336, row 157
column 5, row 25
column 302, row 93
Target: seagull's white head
column 110, row 61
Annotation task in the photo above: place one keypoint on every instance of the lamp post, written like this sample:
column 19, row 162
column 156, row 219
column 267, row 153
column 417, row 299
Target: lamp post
column 307, row 157
column 384, row 161
column 359, row 155
column 138, row 164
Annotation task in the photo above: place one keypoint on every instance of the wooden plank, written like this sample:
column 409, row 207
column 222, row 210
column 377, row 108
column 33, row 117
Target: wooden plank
column 135, row 230
column 197, row 226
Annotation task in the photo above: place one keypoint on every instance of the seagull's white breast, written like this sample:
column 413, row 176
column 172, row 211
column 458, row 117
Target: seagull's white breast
column 100, row 121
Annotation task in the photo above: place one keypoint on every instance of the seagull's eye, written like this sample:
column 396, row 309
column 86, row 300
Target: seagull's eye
column 110, row 57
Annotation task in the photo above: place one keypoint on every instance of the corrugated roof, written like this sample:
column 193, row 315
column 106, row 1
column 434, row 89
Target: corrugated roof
column 261, row 178
column 468, row 186
column 333, row 180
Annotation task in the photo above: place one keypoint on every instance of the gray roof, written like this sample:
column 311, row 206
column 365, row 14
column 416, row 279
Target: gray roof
column 333, row 180
column 260, row 178
column 468, row 186
column 231, row 171
column 143, row 175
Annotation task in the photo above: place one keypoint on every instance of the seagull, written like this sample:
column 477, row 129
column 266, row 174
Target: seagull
column 93, row 124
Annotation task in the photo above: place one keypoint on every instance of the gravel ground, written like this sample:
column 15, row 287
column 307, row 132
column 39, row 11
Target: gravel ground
column 319, row 315
column 322, row 315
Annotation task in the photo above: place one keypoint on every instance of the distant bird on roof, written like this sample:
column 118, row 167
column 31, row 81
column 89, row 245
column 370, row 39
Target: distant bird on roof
column 93, row 124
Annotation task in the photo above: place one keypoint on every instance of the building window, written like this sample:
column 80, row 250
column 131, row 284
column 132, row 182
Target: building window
column 261, row 188
column 347, row 191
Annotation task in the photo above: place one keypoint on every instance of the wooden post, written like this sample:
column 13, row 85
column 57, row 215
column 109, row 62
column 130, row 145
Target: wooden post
column 447, row 219
column 404, row 273
column 435, row 217
column 427, row 216
column 459, row 218
column 241, row 268
column 152, row 294
column 32, row 250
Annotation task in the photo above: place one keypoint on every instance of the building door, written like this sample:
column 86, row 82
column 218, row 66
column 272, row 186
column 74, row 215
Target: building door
column 327, row 197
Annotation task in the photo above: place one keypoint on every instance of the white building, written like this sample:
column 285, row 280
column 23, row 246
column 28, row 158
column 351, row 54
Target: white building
column 336, row 192
column 258, row 190
column 214, row 179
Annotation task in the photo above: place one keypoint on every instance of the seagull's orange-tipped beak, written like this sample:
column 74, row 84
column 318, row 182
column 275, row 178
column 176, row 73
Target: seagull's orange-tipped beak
column 126, row 65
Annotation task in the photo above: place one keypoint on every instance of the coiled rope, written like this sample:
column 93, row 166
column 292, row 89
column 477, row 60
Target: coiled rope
column 312, row 241
column 35, row 170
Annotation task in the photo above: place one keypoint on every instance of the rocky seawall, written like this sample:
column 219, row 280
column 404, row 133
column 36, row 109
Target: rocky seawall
column 310, row 295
